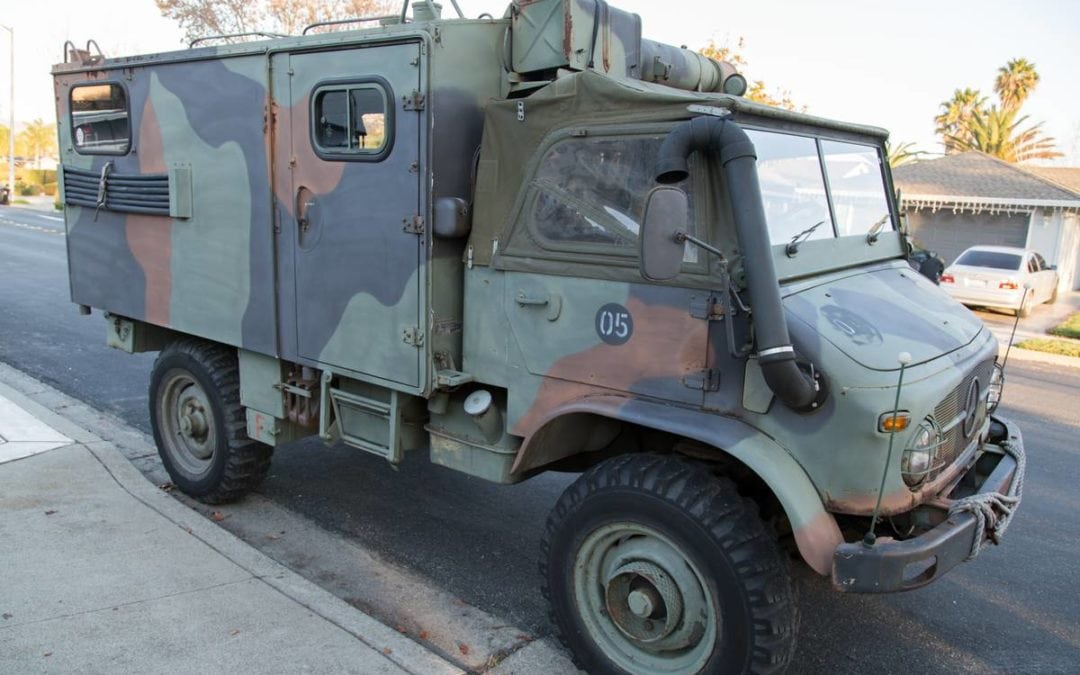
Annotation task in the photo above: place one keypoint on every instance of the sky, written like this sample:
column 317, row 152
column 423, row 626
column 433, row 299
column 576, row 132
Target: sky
column 886, row 64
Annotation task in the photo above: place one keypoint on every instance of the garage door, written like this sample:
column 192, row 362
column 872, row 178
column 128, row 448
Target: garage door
column 950, row 233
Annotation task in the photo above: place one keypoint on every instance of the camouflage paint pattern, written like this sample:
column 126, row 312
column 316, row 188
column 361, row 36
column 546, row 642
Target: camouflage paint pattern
column 237, row 271
column 512, row 314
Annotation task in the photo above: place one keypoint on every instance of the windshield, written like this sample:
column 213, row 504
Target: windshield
column 856, row 185
column 794, row 192
column 992, row 259
column 792, row 188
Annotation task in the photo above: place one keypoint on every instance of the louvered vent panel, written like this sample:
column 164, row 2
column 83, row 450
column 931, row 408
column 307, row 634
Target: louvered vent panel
column 127, row 193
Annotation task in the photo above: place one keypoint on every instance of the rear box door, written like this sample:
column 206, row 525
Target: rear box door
column 348, row 184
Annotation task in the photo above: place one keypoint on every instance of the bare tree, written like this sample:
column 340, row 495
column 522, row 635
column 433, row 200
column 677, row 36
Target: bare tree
column 758, row 91
column 199, row 18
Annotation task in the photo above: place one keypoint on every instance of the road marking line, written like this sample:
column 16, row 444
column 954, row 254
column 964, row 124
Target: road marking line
column 35, row 228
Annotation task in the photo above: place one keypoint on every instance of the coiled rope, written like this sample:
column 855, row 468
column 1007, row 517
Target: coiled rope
column 993, row 511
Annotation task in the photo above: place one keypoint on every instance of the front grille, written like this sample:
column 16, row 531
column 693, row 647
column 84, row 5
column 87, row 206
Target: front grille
column 953, row 440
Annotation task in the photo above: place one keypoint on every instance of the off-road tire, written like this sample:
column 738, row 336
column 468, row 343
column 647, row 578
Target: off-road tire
column 716, row 529
column 237, row 464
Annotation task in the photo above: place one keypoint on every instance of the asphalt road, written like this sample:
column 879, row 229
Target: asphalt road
column 1014, row 609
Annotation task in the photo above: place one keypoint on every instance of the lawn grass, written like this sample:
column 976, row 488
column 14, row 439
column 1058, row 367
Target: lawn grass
column 1069, row 328
column 1052, row 346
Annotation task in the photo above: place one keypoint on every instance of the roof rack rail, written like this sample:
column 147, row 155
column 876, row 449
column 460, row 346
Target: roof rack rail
column 225, row 36
column 73, row 54
column 338, row 22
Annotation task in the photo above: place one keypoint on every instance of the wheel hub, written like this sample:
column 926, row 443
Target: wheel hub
column 643, row 601
column 191, row 419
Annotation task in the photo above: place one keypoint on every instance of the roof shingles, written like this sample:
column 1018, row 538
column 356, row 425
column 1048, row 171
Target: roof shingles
column 976, row 175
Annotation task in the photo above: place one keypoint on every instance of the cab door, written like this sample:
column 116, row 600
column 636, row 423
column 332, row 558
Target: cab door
column 578, row 308
column 348, row 184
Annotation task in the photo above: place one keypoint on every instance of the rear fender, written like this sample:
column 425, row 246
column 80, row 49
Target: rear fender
column 816, row 532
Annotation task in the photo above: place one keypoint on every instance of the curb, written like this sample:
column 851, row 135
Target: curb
column 397, row 648
column 1033, row 356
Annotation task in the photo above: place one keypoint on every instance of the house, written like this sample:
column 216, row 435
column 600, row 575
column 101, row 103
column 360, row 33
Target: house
column 971, row 198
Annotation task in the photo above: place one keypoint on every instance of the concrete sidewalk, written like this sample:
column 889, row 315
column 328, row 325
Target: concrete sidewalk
column 101, row 571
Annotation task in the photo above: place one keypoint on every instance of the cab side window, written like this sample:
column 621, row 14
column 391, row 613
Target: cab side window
column 351, row 121
column 590, row 193
column 100, row 119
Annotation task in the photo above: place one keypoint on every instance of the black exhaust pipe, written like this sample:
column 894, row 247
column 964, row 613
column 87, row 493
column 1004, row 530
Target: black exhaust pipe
column 797, row 387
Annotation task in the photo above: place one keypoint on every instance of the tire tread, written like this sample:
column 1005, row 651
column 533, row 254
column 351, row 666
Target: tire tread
column 733, row 522
column 247, row 461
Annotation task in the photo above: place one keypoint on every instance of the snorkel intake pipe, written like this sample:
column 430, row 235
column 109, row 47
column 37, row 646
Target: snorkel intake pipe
column 797, row 387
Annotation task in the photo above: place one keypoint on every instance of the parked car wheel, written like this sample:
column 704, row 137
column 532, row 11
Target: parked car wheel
column 199, row 425
column 651, row 564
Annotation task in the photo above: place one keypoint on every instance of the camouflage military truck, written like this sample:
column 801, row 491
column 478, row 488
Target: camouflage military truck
column 541, row 242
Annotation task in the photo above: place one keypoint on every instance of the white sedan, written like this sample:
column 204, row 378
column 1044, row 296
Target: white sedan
column 996, row 276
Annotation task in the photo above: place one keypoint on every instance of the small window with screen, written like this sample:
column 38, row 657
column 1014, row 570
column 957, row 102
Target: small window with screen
column 351, row 121
column 100, row 119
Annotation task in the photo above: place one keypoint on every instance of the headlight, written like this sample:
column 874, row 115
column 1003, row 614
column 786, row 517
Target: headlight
column 918, row 459
column 994, row 389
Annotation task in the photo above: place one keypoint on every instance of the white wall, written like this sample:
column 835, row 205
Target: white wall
column 1069, row 264
column 1057, row 237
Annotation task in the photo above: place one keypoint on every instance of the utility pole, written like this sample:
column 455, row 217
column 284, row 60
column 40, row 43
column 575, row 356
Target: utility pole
column 11, row 100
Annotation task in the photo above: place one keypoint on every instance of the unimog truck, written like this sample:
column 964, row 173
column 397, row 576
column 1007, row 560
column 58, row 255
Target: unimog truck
column 543, row 243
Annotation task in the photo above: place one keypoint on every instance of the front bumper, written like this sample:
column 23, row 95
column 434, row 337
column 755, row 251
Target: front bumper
column 890, row 566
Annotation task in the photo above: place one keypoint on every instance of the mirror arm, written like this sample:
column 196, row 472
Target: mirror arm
column 726, row 294
column 683, row 237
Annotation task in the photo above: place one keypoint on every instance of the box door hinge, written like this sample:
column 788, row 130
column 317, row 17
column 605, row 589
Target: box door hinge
column 705, row 380
column 413, row 336
column 414, row 101
column 414, row 225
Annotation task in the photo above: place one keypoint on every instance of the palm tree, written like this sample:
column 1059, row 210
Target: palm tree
column 39, row 139
column 1015, row 82
column 901, row 153
column 998, row 133
column 954, row 121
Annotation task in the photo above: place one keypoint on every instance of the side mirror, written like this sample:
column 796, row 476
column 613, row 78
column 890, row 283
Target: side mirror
column 661, row 249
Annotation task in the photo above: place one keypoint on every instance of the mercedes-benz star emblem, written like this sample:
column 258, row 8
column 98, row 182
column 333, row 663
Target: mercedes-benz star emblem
column 971, row 407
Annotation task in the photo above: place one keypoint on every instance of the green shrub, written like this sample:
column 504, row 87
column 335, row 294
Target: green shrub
column 1069, row 328
column 1052, row 346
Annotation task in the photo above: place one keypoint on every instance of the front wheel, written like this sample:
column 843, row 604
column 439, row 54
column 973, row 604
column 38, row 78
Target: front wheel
column 653, row 565
column 199, row 425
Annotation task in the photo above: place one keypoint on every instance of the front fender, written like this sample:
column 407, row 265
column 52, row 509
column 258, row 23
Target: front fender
column 815, row 530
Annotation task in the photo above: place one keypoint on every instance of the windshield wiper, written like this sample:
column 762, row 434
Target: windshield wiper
column 875, row 229
column 793, row 246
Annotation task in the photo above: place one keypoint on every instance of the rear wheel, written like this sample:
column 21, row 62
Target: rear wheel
column 199, row 425
column 653, row 565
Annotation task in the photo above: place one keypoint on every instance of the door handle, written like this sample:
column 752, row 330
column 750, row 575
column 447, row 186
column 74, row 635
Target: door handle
column 304, row 200
column 553, row 303
column 526, row 300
